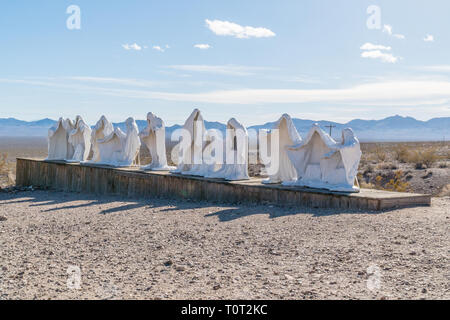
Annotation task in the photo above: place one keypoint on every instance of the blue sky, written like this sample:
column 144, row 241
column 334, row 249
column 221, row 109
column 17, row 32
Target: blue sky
column 253, row 60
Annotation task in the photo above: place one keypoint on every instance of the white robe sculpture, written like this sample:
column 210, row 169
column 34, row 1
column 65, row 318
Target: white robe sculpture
column 191, row 163
column 154, row 138
column 236, row 163
column 321, row 162
column 102, row 129
column 288, row 136
column 59, row 147
column 80, row 139
column 121, row 149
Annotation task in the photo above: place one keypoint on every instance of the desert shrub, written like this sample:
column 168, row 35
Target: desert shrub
column 396, row 183
column 424, row 158
column 3, row 163
column 401, row 153
column 387, row 166
column 11, row 178
column 363, row 183
column 369, row 169
column 379, row 182
column 443, row 165
column 380, row 153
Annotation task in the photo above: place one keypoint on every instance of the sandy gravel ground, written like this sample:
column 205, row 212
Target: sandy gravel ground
column 162, row 249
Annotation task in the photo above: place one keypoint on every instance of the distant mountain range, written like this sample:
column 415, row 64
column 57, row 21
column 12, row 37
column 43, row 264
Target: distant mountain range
column 394, row 128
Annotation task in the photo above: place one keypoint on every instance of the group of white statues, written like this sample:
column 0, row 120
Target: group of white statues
column 72, row 142
column 68, row 140
column 318, row 161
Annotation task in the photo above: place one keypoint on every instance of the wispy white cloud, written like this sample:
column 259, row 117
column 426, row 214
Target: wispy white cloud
column 202, row 46
column 436, row 68
column 133, row 46
column 374, row 51
column 371, row 46
column 377, row 54
column 299, row 79
column 221, row 69
column 226, row 28
column 398, row 36
column 411, row 93
column 120, row 81
column 398, row 93
column 389, row 30
column 429, row 38
column 161, row 49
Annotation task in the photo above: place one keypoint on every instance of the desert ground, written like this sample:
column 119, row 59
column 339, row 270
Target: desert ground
column 160, row 249
column 166, row 249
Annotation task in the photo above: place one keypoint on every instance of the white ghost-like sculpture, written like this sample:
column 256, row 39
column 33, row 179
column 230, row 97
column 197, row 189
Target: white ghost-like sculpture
column 102, row 129
column 321, row 162
column 121, row 149
column 287, row 136
column 80, row 139
column 190, row 153
column 59, row 147
column 236, row 163
column 154, row 138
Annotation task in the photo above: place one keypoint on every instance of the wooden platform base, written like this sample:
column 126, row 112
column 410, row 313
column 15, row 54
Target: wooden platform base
column 132, row 182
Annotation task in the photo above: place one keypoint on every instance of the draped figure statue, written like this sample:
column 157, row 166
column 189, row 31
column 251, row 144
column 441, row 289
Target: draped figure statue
column 288, row 135
column 80, row 139
column 59, row 147
column 121, row 149
column 190, row 152
column 236, row 155
column 321, row 162
column 154, row 138
column 102, row 129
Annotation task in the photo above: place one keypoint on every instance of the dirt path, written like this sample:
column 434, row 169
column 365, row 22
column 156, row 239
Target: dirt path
column 161, row 249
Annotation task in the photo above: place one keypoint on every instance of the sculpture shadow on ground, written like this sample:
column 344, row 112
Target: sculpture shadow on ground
column 225, row 212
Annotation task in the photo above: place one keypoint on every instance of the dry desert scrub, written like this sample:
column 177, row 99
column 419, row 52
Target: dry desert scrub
column 380, row 153
column 7, row 177
column 421, row 158
column 3, row 158
column 401, row 153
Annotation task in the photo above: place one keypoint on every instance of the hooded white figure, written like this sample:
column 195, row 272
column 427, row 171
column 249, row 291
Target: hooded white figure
column 154, row 138
column 189, row 152
column 59, row 147
column 121, row 149
column 102, row 129
column 282, row 170
column 321, row 162
column 80, row 139
column 236, row 163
